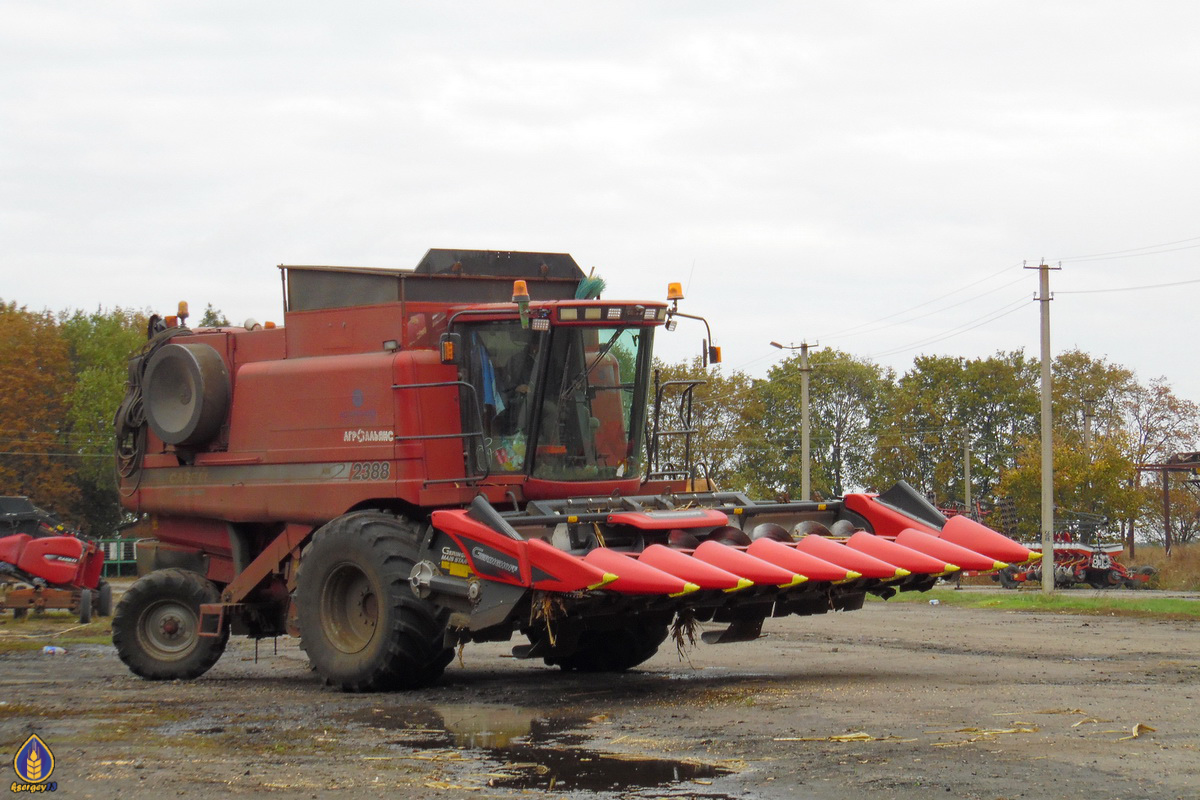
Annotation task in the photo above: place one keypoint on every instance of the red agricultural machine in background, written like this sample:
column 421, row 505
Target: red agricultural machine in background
column 1080, row 558
column 457, row 453
column 42, row 566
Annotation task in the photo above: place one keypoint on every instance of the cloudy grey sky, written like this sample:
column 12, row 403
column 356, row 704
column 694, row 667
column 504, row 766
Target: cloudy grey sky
column 808, row 170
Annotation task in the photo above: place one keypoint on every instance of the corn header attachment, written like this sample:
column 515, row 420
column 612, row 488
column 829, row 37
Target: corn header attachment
column 584, row 565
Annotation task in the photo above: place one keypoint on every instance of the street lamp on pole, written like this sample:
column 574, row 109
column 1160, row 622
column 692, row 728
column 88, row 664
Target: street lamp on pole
column 805, row 465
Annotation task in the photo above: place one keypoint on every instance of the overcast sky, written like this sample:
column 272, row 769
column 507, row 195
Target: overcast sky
column 807, row 170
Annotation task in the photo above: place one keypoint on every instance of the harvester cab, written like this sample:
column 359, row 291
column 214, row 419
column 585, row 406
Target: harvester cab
column 422, row 458
column 562, row 399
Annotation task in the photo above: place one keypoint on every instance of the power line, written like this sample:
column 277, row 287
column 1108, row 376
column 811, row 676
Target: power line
column 1003, row 311
column 1132, row 255
column 845, row 331
column 1132, row 250
column 919, row 305
column 1129, row 288
column 937, row 310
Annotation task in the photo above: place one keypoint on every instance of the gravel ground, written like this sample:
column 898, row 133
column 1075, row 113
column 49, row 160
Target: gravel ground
column 894, row 701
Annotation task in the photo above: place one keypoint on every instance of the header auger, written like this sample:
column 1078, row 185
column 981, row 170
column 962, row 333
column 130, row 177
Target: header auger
column 423, row 458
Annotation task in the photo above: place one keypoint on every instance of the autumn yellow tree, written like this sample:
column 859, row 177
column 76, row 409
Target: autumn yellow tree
column 35, row 441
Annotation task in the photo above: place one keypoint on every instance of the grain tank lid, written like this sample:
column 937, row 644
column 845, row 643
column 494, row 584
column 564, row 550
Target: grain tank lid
column 443, row 276
column 499, row 264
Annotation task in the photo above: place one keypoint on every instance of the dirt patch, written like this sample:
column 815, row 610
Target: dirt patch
column 892, row 701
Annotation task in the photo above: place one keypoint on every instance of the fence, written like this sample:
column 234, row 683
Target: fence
column 120, row 556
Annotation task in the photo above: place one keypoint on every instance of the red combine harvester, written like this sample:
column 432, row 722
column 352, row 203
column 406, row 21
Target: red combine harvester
column 459, row 453
column 48, row 570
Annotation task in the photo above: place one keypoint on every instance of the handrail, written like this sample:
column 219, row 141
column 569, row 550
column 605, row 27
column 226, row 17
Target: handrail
column 465, row 435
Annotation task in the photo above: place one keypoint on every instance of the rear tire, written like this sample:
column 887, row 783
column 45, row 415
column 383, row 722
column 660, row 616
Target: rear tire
column 613, row 650
column 360, row 623
column 157, row 625
column 1007, row 578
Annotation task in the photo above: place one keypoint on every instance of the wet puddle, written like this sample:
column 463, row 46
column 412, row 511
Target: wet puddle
column 536, row 750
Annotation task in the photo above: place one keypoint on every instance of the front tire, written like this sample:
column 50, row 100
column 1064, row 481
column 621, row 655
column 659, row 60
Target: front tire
column 1008, row 579
column 360, row 623
column 157, row 625
column 613, row 650
column 85, row 606
column 104, row 599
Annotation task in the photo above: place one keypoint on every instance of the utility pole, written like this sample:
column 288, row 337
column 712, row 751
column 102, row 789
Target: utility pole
column 1047, row 434
column 805, row 444
column 967, row 473
column 1088, row 415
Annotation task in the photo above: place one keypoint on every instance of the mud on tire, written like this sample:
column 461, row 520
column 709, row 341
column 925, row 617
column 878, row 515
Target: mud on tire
column 360, row 623
column 157, row 623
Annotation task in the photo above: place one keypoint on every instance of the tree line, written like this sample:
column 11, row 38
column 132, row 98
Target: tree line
column 871, row 427
column 65, row 375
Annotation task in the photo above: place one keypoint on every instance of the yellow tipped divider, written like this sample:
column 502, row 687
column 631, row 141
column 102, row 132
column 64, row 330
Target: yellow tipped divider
column 608, row 578
column 901, row 556
column 743, row 564
column 866, row 565
column 966, row 532
column 947, row 551
column 788, row 557
column 683, row 566
column 634, row 577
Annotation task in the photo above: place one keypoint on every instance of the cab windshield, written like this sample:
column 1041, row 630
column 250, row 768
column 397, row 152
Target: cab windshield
column 566, row 404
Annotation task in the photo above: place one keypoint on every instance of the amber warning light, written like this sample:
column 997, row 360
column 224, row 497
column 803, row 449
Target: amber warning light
column 521, row 298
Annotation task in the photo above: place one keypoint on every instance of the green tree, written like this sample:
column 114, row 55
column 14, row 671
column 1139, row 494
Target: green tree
column 100, row 344
column 941, row 404
column 1094, row 480
column 719, row 412
column 1089, row 393
column 1106, row 424
column 846, row 395
column 213, row 318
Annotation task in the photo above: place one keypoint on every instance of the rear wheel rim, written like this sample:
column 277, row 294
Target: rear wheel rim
column 168, row 630
column 349, row 609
